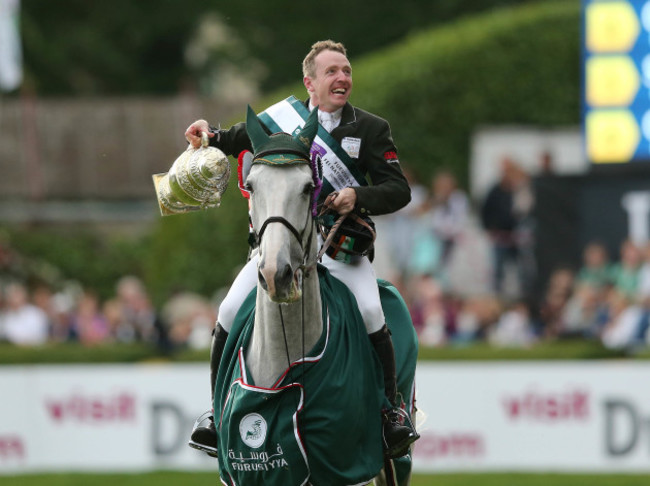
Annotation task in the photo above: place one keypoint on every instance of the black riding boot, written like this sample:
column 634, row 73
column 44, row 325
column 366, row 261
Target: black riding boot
column 398, row 430
column 204, row 438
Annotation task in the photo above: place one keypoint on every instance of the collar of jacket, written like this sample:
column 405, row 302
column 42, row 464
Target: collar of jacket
column 348, row 115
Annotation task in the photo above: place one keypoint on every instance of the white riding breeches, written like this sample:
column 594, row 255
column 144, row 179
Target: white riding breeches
column 359, row 277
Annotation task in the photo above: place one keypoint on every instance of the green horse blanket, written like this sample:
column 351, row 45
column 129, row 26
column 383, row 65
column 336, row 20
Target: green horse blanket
column 321, row 421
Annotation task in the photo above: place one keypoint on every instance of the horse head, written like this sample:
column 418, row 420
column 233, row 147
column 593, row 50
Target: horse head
column 282, row 183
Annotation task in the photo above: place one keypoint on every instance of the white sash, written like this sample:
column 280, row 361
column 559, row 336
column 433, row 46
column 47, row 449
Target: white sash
column 339, row 170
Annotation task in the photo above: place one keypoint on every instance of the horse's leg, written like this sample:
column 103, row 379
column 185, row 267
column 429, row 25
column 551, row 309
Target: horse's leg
column 387, row 478
column 380, row 480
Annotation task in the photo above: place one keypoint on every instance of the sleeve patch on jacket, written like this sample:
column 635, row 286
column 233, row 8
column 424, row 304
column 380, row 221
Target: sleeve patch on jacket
column 391, row 157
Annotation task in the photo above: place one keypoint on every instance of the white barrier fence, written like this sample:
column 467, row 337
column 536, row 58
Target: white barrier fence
column 528, row 416
column 543, row 416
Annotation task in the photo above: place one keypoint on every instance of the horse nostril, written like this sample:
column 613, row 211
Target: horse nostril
column 262, row 280
column 284, row 277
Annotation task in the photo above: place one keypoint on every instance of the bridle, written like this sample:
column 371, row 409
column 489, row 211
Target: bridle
column 305, row 265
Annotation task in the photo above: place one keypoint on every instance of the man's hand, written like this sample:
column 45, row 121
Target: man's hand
column 344, row 202
column 194, row 131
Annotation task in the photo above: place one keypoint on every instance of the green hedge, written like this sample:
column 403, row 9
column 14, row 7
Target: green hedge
column 200, row 251
column 52, row 256
column 70, row 353
column 196, row 252
column 516, row 65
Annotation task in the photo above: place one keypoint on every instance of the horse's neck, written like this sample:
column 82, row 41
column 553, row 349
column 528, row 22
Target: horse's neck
column 267, row 353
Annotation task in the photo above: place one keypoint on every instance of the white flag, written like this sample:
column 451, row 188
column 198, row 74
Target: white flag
column 11, row 64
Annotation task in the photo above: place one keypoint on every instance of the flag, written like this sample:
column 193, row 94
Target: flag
column 11, row 68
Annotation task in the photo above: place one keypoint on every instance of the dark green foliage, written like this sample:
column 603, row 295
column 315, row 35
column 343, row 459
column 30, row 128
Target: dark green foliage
column 510, row 66
column 282, row 34
column 199, row 251
column 117, row 47
column 514, row 66
column 128, row 47
column 50, row 257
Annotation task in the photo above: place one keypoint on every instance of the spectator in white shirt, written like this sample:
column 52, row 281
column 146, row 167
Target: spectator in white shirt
column 21, row 322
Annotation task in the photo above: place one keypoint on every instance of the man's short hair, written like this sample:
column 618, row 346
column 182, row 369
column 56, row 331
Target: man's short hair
column 308, row 64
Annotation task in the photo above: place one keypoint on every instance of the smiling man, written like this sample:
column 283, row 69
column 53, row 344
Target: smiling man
column 354, row 147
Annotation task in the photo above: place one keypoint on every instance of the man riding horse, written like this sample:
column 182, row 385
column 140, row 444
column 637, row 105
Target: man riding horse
column 356, row 144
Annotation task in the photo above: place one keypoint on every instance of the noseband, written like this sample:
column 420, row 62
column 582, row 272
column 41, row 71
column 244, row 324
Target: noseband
column 305, row 266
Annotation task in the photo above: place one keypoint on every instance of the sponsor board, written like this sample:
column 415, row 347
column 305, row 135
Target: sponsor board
column 101, row 418
column 567, row 416
column 530, row 416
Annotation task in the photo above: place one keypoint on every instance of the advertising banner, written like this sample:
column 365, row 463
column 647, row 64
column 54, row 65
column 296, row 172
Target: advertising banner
column 567, row 416
column 101, row 418
column 525, row 416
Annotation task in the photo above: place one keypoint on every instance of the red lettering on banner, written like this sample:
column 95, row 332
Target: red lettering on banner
column 572, row 405
column 11, row 447
column 452, row 445
column 118, row 408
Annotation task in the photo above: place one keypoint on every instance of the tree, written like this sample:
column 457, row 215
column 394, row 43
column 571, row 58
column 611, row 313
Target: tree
column 123, row 47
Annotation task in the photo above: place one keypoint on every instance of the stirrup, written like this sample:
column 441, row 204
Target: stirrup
column 402, row 448
column 211, row 451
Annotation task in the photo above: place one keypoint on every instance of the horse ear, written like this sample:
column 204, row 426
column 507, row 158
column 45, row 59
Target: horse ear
column 308, row 132
column 255, row 130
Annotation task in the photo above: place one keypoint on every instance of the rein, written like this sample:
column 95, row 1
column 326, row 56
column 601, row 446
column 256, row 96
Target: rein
column 335, row 227
column 305, row 267
column 339, row 221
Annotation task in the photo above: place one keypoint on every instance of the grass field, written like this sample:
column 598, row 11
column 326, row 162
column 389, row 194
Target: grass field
column 200, row 479
column 72, row 353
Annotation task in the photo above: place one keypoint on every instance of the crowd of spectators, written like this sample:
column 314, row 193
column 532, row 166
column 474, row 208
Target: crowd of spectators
column 465, row 268
column 75, row 314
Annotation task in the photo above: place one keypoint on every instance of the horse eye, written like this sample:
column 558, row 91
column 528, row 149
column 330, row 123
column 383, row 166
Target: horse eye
column 249, row 187
column 308, row 189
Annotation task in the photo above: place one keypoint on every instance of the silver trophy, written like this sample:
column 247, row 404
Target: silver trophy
column 196, row 180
